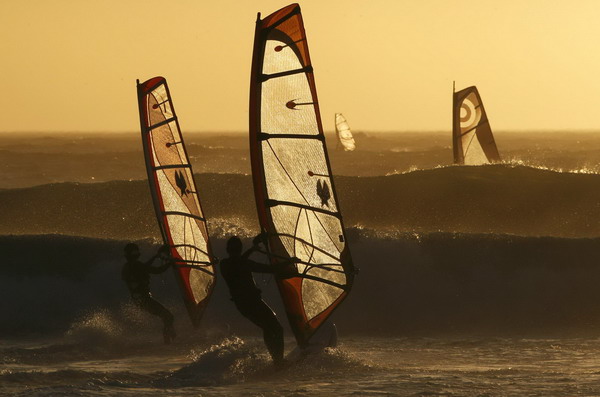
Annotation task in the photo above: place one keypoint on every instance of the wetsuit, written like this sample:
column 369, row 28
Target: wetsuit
column 237, row 272
column 136, row 275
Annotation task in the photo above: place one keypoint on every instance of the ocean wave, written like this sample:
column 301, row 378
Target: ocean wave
column 437, row 283
column 504, row 199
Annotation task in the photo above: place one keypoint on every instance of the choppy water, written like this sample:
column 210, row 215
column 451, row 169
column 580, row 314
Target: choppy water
column 360, row 366
column 34, row 159
column 477, row 281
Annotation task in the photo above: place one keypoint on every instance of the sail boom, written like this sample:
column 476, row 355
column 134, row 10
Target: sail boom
column 326, row 267
column 193, row 265
column 204, row 263
column 324, row 281
column 190, row 246
column 312, row 246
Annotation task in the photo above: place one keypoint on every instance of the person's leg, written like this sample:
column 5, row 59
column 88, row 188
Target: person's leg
column 152, row 306
column 272, row 332
column 261, row 315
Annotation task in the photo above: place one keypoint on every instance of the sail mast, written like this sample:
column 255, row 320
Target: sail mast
column 456, row 148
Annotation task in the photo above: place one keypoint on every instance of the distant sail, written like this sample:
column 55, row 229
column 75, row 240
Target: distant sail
column 343, row 132
column 175, row 196
column 295, row 195
column 472, row 138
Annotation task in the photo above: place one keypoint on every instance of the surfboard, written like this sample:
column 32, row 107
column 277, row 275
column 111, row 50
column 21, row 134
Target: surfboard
column 175, row 196
column 294, row 189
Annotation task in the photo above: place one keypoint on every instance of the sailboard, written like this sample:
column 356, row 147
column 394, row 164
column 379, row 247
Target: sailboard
column 295, row 195
column 342, row 129
column 472, row 139
column 175, row 196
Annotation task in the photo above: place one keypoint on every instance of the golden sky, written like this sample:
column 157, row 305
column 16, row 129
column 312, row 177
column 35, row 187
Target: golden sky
column 388, row 65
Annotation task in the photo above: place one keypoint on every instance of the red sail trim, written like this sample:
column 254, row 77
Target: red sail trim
column 151, row 84
column 195, row 310
column 287, row 26
column 280, row 15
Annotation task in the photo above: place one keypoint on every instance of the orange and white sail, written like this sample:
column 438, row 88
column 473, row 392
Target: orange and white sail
column 344, row 134
column 293, row 184
column 472, row 138
column 175, row 196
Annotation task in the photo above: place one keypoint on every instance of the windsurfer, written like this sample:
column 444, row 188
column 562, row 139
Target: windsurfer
column 237, row 271
column 136, row 275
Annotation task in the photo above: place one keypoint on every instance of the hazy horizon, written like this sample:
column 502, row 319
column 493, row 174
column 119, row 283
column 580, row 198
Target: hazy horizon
column 387, row 65
column 326, row 131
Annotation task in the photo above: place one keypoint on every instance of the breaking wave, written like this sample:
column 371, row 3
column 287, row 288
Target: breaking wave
column 437, row 283
column 235, row 361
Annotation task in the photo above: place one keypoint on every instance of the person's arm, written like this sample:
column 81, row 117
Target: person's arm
column 256, row 267
column 279, row 268
column 167, row 260
column 255, row 242
column 162, row 268
column 150, row 261
column 249, row 252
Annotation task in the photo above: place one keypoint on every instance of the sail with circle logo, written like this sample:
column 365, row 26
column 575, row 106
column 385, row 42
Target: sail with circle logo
column 175, row 196
column 293, row 184
column 472, row 138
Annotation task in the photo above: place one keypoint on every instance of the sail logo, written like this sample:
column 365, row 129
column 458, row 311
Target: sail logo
column 181, row 183
column 323, row 193
column 470, row 113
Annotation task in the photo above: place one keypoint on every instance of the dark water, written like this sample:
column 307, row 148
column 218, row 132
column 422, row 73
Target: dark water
column 473, row 280
column 426, row 285
column 358, row 367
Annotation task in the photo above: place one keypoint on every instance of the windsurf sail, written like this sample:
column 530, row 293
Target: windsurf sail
column 175, row 196
column 295, row 195
column 343, row 133
column 472, row 139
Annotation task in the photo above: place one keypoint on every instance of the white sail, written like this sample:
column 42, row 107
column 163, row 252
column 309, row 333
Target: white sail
column 175, row 196
column 472, row 135
column 294, row 187
column 343, row 133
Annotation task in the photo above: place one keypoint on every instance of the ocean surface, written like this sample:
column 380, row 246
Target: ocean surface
column 474, row 281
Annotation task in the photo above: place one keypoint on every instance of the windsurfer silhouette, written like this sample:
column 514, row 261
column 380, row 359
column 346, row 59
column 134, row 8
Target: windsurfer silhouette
column 237, row 271
column 136, row 275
